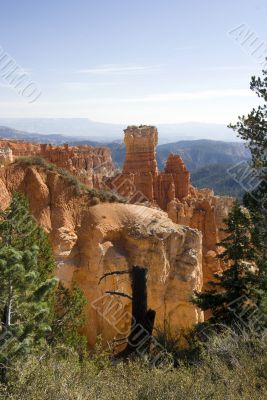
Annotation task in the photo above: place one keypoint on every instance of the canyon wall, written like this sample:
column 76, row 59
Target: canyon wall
column 89, row 164
column 168, row 226
column 172, row 191
column 89, row 241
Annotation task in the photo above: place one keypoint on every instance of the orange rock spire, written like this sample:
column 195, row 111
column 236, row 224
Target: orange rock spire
column 140, row 145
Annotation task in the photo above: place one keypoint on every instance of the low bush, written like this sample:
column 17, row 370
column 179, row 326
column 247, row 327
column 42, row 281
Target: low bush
column 231, row 367
column 106, row 195
column 35, row 160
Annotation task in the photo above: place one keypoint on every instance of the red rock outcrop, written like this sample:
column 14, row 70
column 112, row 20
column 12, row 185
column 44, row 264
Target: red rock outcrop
column 180, row 175
column 89, row 241
column 140, row 179
column 6, row 156
column 172, row 191
column 140, row 167
column 20, row 148
column 89, row 164
column 205, row 212
column 141, row 150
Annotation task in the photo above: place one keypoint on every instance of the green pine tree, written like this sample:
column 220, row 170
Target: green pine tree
column 253, row 129
column 246, row 241
column 24, row 304
column 233, row 290
column 19, row 229
column 34, row 310
column 259, row 239
column 68, row 319
column 26, row 286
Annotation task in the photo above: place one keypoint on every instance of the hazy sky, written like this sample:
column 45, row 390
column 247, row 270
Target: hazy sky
column 139, row 61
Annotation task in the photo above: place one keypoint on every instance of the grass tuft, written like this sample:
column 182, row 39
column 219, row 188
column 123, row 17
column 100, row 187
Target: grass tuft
column 104, row 195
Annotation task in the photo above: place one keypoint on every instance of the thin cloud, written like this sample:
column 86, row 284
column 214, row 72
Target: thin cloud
column 231, row 68
column 177, row 96
column 118, row 69
column 160, row 98
column 86, row 85
column 205, row 94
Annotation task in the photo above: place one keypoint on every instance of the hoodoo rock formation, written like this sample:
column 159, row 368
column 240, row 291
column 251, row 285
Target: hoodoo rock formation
column 172, row 191
column 140, row 179
column 89, row 164
column 141, row 150
column 89, row 241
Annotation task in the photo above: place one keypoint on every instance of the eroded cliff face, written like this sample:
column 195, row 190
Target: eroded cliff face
column 162, row 229
column 172, row 191
column 89, row 241
column 89, row 164
column 116, row 238
column 205, row 212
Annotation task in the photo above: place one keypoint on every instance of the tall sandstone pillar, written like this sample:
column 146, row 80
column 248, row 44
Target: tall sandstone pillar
column 140, row 160
column 181, row 176
column 140, row 145
column 140, row 172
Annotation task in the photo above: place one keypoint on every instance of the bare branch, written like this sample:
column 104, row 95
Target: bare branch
column 119, row 294
column 113, row 273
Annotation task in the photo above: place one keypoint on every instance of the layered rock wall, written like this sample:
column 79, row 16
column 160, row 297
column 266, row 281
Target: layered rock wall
column 89, row 164
column 20, row 148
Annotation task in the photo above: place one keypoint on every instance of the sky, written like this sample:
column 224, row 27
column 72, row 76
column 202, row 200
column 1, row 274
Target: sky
column 141, row 61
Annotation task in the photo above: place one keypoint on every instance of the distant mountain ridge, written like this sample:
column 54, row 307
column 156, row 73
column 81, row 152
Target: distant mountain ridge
column 216, row 177
column 85, row 128
column 10, row 133
column 201, row 153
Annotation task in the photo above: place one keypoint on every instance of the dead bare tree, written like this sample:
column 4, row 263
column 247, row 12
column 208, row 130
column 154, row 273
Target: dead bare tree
column 143, row 319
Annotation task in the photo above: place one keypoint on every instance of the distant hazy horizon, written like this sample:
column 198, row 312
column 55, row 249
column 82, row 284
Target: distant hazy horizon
column 98, row 131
